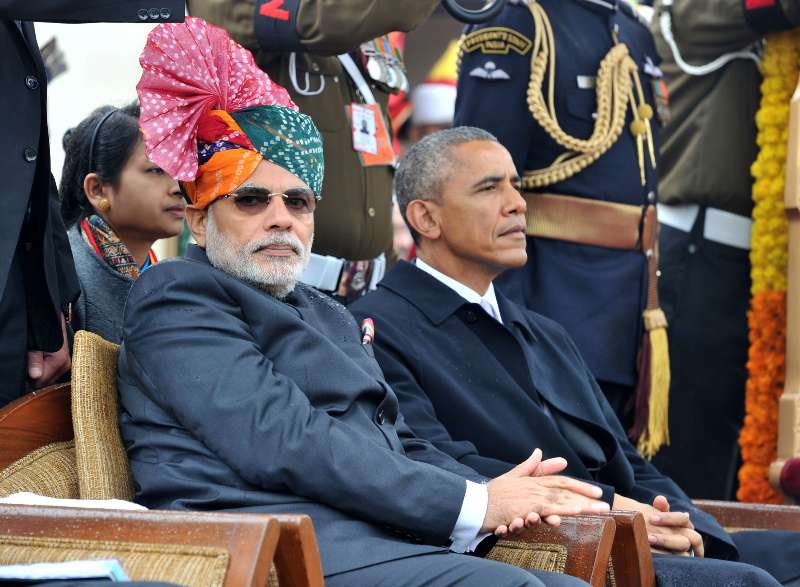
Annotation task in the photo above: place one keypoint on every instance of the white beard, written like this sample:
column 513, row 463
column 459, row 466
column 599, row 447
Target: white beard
column 278, row 278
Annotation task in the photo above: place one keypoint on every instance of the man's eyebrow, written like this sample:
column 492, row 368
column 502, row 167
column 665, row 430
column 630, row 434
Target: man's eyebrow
column 487, row 179
column 251, row 187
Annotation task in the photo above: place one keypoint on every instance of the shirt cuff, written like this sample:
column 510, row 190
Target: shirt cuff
column 465, row 536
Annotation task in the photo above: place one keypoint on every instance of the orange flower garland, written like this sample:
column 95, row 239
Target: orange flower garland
column 769, row 256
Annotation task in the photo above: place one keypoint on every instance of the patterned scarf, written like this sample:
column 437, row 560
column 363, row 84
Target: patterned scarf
column 99, row 235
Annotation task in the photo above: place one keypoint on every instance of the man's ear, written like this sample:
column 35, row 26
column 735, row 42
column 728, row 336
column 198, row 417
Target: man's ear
column 197, row 220
column 423, row 216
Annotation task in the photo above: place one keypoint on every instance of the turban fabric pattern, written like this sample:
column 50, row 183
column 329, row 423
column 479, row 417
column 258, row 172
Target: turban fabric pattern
column 209, row 115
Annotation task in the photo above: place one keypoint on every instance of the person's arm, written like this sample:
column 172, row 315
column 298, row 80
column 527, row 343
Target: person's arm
column 324, row 27
column 650, row 483
column 401, row 366
column 195, row 355
column 68, row 11
column 706, row 30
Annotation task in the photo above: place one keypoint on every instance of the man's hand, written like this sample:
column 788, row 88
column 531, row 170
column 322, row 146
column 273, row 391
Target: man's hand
column 671, row 532
column 530, row 492
column 44, row 368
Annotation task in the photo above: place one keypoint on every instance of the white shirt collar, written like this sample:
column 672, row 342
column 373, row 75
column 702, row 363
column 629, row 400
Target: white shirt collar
column 464, row 291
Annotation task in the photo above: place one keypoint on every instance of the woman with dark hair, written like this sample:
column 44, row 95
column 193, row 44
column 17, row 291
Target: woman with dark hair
column 115, row 204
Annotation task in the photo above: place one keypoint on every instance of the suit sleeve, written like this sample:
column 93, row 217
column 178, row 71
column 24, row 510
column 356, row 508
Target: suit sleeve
column 68, row 284
column 324, row 27
column 706, row 30
column 402, row 369
column 195, row 356
column 650, row 482
column 70, row 11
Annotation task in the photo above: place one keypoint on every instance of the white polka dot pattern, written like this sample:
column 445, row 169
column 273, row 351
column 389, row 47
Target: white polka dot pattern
column 188, row 69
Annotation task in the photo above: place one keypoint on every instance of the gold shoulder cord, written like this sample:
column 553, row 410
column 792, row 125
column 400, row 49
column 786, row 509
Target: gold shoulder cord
column 617, row 85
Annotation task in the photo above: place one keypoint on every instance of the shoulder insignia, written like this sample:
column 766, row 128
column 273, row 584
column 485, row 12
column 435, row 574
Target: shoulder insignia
column 496, row 41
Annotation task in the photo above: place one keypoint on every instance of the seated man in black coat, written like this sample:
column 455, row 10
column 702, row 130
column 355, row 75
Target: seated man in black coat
column 486, row 380
column 241, row 389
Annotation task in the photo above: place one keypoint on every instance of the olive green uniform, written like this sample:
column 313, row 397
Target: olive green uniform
column 707, row 149
column 354, row 217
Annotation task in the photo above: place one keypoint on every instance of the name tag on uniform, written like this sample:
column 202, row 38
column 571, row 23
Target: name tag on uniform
column 370, row 135
column 586, row 82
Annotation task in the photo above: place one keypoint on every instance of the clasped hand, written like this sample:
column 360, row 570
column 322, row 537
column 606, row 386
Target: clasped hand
column 532, row 492
column 668, row 532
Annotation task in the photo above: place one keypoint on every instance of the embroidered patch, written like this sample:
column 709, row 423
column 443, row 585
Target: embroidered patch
column 496, row 41
column 489, row 71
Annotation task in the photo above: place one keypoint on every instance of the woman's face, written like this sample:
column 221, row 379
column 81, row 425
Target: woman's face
column 148, row 202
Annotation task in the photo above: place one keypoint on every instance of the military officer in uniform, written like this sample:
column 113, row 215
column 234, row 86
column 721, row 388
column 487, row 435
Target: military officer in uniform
column 571, row 88
column 710, row 53
column 336, row 62
column 37, row 277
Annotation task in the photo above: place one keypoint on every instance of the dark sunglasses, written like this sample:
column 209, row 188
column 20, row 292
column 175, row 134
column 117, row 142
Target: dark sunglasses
column 253, row 201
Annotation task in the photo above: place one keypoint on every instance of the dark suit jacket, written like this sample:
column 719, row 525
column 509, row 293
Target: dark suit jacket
column 488, row 394
column 29, row 212
column 234, row 400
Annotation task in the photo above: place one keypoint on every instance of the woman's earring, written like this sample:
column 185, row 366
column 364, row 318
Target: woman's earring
column 103, row 204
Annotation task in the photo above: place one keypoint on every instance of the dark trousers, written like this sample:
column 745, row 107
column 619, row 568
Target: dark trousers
column 13, row 335
column 446, row 569
column 705, row 292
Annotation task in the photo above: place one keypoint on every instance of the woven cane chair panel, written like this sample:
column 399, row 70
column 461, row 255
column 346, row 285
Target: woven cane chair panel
column 49, row 470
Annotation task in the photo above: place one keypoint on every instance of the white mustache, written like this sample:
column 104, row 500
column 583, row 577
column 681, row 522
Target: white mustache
column 277, row 239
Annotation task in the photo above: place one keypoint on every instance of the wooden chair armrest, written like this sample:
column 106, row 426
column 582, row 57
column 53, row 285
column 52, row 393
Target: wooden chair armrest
column 631, row 556
column 34, row 420
column 588, row 540
column 733, row 515
column 249, row 539
column 297, row 556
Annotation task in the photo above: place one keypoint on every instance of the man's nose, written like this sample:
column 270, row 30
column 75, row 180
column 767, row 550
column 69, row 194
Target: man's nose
column 277, row 215
column 516, row 202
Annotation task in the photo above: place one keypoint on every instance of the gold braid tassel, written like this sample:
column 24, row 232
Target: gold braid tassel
column 656, row 432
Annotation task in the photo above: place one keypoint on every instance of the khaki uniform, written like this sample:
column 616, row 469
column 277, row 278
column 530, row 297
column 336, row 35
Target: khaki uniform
column 708, row 146
column 707, row 150
column 354, row 217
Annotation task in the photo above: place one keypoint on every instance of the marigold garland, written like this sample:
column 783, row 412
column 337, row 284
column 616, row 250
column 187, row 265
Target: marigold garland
column 769, row 257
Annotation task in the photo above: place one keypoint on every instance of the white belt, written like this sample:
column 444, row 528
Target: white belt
column 323, row 272
column 720, row 226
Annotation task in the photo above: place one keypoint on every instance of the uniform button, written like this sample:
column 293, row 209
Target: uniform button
column 30, row 154
column 154, row 14
column 651, row 197
column 380, row 417
column 692, row 249
column 166, row 13
column 142, row 14
column 314, row 67
column 371, row 212
column 32, row 82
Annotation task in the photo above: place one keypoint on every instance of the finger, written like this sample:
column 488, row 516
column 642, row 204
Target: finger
column 501, row 531
column 671, row 542
column 661, row 503
column 35, row 366
column 532, row 519
column 553, row 520
column 697, row 544
column 528, row 467
column 551, row 466
column 579, row 487
column 516, row 525
column 672, row 519
column 54, row 366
